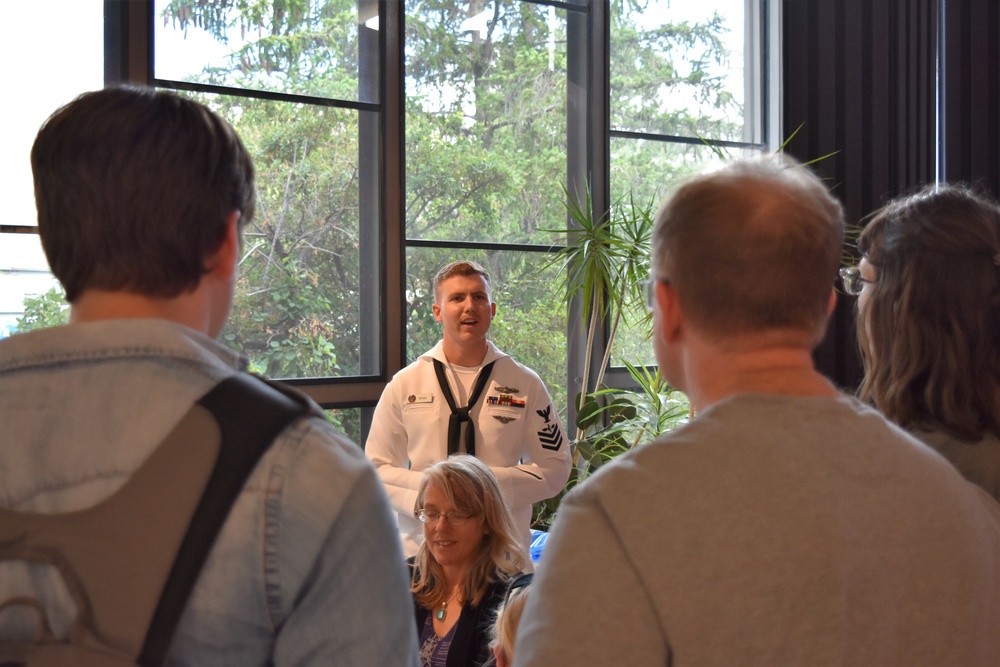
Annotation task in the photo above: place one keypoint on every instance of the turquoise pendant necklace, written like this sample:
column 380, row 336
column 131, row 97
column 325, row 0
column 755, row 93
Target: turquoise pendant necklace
column 443, row 611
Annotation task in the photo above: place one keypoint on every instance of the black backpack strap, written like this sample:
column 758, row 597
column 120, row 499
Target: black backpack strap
column 250, row 414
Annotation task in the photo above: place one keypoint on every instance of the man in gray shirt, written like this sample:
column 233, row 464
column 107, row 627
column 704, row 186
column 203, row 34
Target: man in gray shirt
column 787, row 524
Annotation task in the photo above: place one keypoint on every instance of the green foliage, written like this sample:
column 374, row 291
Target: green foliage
column 604, row 261
column 486, row 123
column 486, row 154
column 644, row 72
column 348, row 422
column 616, row 420
column 287, row 326
column 296, row 312
column 44, row 310
column 307, row 46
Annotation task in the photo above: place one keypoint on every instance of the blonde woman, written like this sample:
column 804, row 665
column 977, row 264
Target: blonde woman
column 471, row 550
column 508, row 618
column 928, row 290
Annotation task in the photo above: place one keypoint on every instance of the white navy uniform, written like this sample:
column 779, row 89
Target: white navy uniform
column 517, row 434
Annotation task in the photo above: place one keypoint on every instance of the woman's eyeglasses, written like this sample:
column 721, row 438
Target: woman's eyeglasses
column 453, row 517
column 853, row 282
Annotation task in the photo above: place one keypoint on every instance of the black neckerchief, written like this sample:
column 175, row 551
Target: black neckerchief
column 459, row 415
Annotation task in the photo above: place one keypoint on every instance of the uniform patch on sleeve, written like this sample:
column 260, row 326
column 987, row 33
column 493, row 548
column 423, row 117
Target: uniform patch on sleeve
column 550, row 436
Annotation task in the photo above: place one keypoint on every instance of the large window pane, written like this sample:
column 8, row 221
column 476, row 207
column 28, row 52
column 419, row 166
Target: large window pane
column 647, row 169
column 306, row 48
column 308, row 298
column 30, row 296
column 298, row 300
column 348, row 421
column 485, row 120
column 682, row 72
column 677, row 68
column 531, row 314
column 46, row 79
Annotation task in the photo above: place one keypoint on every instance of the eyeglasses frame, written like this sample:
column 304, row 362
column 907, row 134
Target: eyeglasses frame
column 453, row 518
column 850, row 278
column 648, row 287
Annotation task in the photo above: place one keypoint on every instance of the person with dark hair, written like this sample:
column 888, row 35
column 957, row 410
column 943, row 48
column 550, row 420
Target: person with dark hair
column 466, row 396
column 142, row 196
column 928, row 325
column 461, row 570
column 788, row 523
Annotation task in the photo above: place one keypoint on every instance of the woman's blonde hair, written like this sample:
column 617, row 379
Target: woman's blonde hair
column 470, row 486
column 508, row 618
column 929, row 334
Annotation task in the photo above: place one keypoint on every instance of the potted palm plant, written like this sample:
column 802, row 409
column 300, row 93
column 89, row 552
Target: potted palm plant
column 603, row 263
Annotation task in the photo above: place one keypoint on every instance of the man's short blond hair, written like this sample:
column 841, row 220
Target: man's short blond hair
column 460, row 268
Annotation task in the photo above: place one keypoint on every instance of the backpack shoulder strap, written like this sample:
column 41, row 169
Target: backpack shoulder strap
column 131, row 561
column 250, row 413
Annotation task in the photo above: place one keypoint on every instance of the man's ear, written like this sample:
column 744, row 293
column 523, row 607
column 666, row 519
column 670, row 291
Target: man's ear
column 832, row 303
column 436, row 309
column 671, row 313
column 493, row 310
column 222, row 263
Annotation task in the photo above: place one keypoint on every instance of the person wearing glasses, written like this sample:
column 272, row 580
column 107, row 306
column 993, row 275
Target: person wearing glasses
column 471, row 549
column 928, row 324
column 788, row 523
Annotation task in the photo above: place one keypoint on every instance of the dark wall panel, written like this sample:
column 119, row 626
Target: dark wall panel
column 971, row 106
column 859, row 77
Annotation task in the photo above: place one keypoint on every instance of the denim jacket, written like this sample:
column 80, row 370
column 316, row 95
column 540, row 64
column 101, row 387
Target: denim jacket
column 307, row 569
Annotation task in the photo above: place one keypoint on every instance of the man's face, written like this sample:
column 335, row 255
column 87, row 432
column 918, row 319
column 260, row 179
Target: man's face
column 464, row 308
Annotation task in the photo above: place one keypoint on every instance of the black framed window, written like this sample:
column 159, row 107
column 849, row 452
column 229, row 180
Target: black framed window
column 391, row 136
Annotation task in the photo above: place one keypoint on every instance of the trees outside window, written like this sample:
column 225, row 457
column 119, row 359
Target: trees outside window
column 508, row 113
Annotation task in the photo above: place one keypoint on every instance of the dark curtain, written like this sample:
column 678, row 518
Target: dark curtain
column 859, row 76
column 971, row 93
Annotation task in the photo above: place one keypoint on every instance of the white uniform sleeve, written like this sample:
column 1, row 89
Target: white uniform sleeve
column 545, row 454
column 387, row 449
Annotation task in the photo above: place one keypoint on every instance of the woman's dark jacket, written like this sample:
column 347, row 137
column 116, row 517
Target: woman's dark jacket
column 470, row 644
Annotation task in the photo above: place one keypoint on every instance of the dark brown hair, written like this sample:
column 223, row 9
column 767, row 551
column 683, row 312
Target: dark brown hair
column 930, row 331
column 134, row 187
